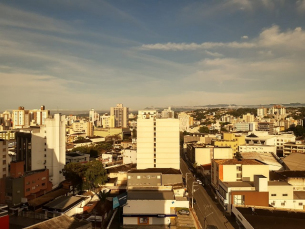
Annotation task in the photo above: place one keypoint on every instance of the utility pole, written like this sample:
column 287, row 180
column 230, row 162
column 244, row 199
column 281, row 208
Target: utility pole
column 186, row 178
column 193, row 194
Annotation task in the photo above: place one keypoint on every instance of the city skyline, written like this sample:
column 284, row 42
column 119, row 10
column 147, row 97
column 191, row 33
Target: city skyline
column 80, row 55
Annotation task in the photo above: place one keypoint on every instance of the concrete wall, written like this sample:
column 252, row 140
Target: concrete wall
column 248, row 171
column 146, row 207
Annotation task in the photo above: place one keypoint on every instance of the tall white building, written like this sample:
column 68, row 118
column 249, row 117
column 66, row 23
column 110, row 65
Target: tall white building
column 49, row 148
column 94, row 117
column 120, row 114
column 184, row 121
column 167, row 113
column 158, row 143
column 21, row 118
column 107, row 121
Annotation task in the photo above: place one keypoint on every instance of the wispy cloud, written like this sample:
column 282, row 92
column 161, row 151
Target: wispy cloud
column 194, row 46
column 300, row 6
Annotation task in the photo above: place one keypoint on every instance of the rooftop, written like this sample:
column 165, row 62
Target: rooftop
column 62, row 221
column 237, row 162
column 295, row 161
column 239, row 184
column 283, row 175
column 267, row 218
column 156, row 170
column 278, row 183
column 63, row 203
column 150, row 195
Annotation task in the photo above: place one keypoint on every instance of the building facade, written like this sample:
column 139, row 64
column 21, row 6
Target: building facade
column 120, row 114
column 158, row 143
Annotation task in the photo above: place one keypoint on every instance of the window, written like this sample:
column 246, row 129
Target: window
column 138, row 177
column 4, row 156
column 43, row 178
column 28, row 189
column 273, row 194
column 285, row 194
column 129, row 177
column 239, row 199
column 273, row 203
column 158, row 177
column 300, row 204
column 283, row 204
column 43, row 184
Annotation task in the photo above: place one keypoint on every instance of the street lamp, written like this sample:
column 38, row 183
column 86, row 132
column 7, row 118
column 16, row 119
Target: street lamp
column 205, row 218
column 193, row 193
column 186, row 178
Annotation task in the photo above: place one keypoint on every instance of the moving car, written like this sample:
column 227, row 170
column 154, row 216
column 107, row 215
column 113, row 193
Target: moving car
column 184, row 212
column 199, row 181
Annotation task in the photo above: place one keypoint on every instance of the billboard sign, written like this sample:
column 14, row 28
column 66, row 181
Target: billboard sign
column 119, row 200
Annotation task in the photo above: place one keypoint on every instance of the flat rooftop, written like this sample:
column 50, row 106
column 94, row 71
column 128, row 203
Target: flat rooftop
column 156, row 170
column 236, row 162
column 150, row 195
column 239, row 184
column 269, row 218
column 278, row 183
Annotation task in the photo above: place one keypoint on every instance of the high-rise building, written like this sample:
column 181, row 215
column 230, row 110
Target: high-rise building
column 248, row 118
column 49, row 148
column 39, row 116
column 107, row 121
column 94, row 117
column 167, row 113
column 21, row 118
column 120, row 114
column 262, row 111
column 158, row 143
column 44, row 148
column 184, row 121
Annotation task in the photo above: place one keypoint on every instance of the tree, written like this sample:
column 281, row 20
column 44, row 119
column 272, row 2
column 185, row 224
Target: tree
column 73, row 172
column 85, row 176
column 204, row 129
column 94, row 175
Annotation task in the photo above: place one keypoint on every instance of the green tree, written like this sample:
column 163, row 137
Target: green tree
column 204, row 129
column 85, row 176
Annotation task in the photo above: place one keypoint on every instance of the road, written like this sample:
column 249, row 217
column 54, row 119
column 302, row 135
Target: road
column 205, row 206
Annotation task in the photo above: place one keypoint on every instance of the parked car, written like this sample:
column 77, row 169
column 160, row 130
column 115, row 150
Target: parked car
column 184, row 212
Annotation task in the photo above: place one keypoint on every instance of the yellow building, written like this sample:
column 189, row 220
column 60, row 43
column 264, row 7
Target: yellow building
column 231, row 140
column 104, row 132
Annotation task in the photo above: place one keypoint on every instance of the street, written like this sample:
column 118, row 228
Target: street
column 207, row 211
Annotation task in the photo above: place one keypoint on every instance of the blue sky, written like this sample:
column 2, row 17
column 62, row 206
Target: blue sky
column 82, row 54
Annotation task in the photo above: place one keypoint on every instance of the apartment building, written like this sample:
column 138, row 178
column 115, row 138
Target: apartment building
column 257, row 148
column 158, row 143
column 230, row 140
column 184, row 121
column 107, row 121
column 201, row 154
column 243, row 193
column 38, row 117
column 231, row 170
column 168, row 113
column 22, row 186
column 266, row 126
column 48, row 149
column 248, row 117
column 262, row 111
column 21, row 118
column 94, row 117
column 120, row 114
column 293, row 147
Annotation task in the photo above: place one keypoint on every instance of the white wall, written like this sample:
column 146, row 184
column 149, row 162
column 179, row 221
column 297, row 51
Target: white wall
column 49, row 148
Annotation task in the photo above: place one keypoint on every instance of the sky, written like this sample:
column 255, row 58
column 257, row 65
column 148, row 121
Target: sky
column 83, row 54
